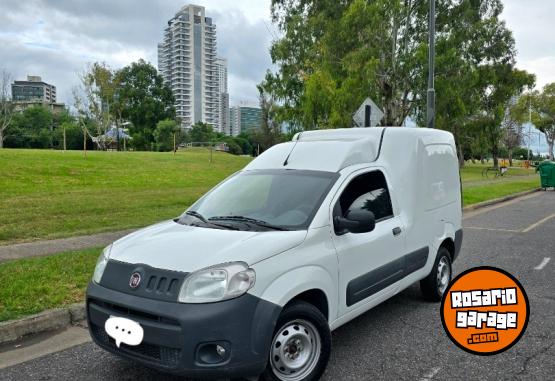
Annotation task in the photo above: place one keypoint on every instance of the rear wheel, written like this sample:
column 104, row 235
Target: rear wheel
column 301, row 345
column 434, row 285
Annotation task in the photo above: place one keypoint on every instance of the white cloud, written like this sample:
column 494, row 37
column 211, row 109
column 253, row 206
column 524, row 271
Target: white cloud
column 543, row 67
column 56, row 39
column 533, row 28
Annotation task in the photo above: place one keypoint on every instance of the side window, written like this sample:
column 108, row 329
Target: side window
column 367, row 191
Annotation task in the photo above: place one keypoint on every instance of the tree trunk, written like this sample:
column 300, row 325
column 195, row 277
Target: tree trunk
column 458, row 145
column 510, row 157
column 549, row 145
column 461, row 156
column 1, row 139
column 495, row 155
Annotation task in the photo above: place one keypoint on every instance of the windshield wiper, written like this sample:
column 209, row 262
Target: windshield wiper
column 247, row 220
column 200, row 217
column 196, row 214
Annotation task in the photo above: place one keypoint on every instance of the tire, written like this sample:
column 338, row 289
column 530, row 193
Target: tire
column 435, row 284
column 302, row 325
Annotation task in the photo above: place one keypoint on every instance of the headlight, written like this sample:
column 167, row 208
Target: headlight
column 101, row 264
column 216, row 283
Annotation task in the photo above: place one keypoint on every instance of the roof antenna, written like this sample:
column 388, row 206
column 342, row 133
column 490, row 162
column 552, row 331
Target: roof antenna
column 290, row 152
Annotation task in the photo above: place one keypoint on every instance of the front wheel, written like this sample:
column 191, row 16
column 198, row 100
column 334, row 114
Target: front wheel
column 301, row 345
column 435, row 284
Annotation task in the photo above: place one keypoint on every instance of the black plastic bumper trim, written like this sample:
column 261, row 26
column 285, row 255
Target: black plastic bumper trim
column 174, row 332
column 458, row 243
column 376, row 280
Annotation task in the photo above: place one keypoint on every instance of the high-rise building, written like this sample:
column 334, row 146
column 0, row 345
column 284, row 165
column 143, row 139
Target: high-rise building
column 223, row 96
column 33, row 89
column 187, row 62
column 244, row 119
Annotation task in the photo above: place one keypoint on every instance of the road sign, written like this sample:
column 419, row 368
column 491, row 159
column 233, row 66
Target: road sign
column 368, row 114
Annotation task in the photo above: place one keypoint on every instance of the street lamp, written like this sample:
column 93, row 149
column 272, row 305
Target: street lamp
column 431, row 95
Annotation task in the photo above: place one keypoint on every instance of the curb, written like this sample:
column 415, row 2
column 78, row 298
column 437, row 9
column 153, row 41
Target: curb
column 495, row 201
column 49, row 320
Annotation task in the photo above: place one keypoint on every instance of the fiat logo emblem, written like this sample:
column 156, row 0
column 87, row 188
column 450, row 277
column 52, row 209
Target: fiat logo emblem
column 135, row 280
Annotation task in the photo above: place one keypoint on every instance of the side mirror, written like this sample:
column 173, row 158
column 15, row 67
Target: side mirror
column 357, row 221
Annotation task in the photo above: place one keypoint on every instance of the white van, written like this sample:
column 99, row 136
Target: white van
column 251, row 280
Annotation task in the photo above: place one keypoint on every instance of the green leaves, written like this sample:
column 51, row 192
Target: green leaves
column 143, row 98
column 333, row 54
column 542, row 111
column 135, row 93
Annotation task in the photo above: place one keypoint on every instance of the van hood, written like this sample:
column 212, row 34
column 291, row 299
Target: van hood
column 172, row 246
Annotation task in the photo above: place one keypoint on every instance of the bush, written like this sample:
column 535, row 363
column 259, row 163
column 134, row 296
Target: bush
column 164, row 134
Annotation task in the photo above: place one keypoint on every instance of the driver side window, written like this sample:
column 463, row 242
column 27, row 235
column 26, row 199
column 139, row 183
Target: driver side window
column 367, row 191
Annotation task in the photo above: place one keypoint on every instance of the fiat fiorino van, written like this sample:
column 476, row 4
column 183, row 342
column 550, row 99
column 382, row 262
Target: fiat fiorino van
column 253, row 277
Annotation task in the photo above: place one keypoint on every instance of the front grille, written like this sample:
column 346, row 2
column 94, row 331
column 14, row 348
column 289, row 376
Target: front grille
column 132, row 313
column 153, row 283
column 161, row 355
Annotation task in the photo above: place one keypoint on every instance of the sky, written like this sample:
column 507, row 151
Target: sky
column 55, row 39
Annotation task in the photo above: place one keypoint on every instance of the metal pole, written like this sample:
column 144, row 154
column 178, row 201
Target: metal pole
column 431, row 95
column 529, row 124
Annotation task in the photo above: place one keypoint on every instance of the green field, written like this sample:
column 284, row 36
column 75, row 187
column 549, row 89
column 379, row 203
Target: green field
column 477, row 188
column 33, row 285
column 48, row 194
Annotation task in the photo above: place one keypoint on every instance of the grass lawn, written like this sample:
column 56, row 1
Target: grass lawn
column 47, row 194
column 477, row 188
column 33, row 285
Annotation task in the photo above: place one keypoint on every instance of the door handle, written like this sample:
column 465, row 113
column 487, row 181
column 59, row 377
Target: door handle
column 396, row 231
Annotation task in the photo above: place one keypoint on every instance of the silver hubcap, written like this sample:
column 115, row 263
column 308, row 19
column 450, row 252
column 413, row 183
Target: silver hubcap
column 295, row 350
column 443, row 274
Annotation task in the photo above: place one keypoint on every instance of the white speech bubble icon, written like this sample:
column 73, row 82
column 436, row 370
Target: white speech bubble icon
column 123, row 330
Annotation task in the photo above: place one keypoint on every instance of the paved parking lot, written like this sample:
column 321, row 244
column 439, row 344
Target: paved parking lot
column 402, row 339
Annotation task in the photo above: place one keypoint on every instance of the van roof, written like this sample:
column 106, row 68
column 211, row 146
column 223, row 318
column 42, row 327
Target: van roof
column 334, row 149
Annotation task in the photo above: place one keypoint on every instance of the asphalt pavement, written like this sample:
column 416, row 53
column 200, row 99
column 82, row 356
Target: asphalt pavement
column 402, row 339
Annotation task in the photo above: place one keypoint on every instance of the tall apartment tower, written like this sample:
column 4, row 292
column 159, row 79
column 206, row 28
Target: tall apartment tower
column 187, row 62
column 224, row 96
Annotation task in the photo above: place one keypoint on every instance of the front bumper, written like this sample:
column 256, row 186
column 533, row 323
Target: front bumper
column 180, row 338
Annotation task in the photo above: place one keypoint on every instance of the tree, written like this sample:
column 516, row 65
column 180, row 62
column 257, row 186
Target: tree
column 501, row 83
column 164, row 134
column 512, row 134
column 73, row 134
column 95, row 98
column 543, row 105
column 270, row 131
column 201, row 133
column 143, row 99
column 476, row 142
column 32, row 128
column 6, row 105
column 333, row 54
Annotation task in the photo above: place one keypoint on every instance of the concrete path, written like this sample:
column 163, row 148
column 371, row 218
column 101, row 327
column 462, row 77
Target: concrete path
column 41, row 248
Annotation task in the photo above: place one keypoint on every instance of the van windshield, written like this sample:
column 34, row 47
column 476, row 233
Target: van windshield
column 263, row 200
